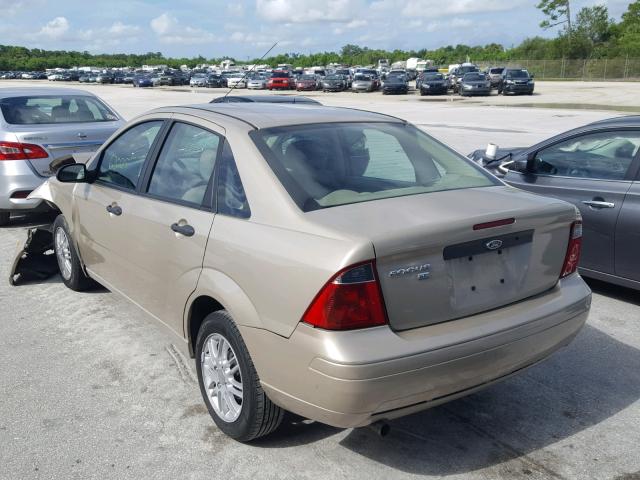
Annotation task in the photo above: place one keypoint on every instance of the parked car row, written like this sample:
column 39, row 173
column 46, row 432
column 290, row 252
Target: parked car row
column 465, row 79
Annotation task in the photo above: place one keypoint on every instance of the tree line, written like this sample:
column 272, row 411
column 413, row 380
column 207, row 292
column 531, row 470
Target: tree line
column 590, row 33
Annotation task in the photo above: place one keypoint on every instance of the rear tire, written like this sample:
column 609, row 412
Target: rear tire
column 69, row 263
column 256, row 415
column 4, row 218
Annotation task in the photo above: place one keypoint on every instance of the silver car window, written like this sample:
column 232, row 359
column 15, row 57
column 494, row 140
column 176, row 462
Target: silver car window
column 122, row 160
column 47, row 109
column 185, row 164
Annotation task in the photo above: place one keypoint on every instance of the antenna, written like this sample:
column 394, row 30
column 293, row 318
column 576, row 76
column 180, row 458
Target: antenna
column 250, row 70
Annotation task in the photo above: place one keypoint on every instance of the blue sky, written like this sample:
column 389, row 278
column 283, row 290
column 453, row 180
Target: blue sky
column 246, row 28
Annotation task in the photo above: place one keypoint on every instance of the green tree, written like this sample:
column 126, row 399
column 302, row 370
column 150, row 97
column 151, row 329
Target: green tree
column 558, row 13
column 594, row 23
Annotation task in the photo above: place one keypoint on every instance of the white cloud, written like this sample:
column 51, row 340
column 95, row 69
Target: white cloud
column 171, row 31
column 353, row 24
column 163, row 24
column 437, row 8
column 10, row 7
column 308, row 11
column 55, row 29
column 235, row 9
column 123, row 30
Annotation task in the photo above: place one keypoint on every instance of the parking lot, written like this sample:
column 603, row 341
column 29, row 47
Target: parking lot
column 91, row 388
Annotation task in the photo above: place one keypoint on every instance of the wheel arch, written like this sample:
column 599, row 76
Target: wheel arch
column 217, row 291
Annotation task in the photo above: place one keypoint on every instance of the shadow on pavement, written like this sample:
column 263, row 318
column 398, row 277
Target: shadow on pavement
column 581, row 386
column 592, row 380
column 614, row 291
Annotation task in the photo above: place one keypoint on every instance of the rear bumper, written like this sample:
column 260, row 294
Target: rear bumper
column 518, row 88
column 476, row 91
column 395, row 90
column 433, row 90
column 17, row 176
column 351, row 379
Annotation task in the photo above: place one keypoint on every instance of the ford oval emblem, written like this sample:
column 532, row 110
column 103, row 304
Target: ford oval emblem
column 493, row 244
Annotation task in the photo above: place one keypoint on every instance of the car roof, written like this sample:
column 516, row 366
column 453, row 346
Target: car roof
column 624, row 121
column 28, row 91
column 267, row 115
column 268, row 99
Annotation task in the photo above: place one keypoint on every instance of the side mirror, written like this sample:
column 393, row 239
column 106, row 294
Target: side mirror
column 532, row 75
column 74, row 173
column 524, row 165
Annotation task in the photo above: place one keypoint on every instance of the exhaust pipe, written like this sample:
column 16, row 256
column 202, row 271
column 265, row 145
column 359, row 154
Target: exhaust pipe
column 381, row 428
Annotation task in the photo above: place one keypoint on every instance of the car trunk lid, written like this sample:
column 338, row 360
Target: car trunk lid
column 80, row 139
column 432, row 264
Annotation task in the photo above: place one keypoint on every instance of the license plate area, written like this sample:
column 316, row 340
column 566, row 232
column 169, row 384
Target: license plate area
column 484, row 275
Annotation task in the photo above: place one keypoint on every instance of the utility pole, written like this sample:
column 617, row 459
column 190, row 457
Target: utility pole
column 569, row 20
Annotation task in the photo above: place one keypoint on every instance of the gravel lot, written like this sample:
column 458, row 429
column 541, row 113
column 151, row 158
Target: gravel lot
column 90, row 388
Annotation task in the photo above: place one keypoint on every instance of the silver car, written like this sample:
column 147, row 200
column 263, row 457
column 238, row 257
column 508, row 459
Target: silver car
column 257, row 82
column 38, row 125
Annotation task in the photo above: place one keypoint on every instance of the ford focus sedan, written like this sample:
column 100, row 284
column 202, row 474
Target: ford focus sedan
column 335, row 263
column 38, row 125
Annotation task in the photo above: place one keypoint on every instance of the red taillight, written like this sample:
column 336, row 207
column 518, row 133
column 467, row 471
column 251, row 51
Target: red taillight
column 351, row 299
column 572, row 257
column 21, row 194
column 21, row 151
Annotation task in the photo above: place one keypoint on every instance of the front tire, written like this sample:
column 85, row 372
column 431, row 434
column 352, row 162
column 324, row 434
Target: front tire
column 69, row 263
column 229, row 382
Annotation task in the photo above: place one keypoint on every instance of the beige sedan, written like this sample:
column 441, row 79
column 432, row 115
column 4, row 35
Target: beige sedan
column 336, row 263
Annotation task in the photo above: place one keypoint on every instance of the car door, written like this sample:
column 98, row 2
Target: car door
column 592, row 170
column 104, row 207
column 628, row 234
column 168, row 230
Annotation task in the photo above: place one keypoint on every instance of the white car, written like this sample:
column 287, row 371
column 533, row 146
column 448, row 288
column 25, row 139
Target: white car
column 236, row 81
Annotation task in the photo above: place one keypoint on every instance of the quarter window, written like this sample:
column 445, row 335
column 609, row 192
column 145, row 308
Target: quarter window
column 123, row 159
column 603, row 155
column 231, row 199
column 185, row 164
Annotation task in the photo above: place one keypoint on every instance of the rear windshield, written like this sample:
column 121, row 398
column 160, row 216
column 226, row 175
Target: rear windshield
column 517, row 74
column 474, row 77
column 496, row 70
column 467, row 69
column 433, row 76
column 326, row 165
column 46, row 109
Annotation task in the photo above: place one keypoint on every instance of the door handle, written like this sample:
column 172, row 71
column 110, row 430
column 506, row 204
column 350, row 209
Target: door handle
column 114, row 210
column 186, row 230
column 599, row 204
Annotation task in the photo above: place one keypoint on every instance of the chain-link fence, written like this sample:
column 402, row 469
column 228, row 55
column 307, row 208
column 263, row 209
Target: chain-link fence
column 565, row 69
